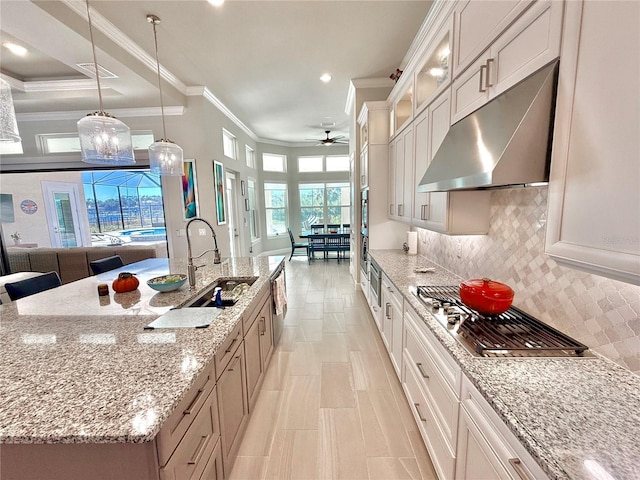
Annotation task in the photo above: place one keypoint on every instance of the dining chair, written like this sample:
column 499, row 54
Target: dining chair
column 317, row 228
column 345, row 245
column 317, row 244
column 106, row 264
column 346, row 228
column 332, row 244
column 30, row 286
column 296, row 245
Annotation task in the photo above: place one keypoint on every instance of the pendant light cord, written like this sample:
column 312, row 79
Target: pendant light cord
column 95, row 61
column 154, row 21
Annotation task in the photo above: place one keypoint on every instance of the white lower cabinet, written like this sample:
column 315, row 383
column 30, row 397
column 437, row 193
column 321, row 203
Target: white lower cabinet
column 432, row 384
column 392, row 322
column 486, row 448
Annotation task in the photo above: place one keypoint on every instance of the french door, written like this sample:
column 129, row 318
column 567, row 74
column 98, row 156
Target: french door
column 63, row 203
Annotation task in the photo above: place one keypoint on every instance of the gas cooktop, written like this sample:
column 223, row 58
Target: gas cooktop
column 513, row 333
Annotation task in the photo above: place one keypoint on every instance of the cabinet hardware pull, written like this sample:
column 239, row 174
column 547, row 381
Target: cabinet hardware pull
column 487, row 77
column 481, row 89
column 422, row 372
column 386, row 310
column 193, row 403
column 400, row 209
column 391, row 209
column 198, row 453
column 517, row 466
column 420, row 416
column 230, row 346
column 423, row 212
column 263, row 328
column 230, row 369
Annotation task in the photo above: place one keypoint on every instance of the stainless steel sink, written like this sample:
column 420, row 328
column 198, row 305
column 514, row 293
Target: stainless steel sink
column 229, row 293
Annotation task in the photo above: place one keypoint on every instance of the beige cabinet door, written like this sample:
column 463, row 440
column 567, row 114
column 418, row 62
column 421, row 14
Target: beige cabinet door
column 232, row 406
column 391, row 189
column 265, row 327
column 253, row 360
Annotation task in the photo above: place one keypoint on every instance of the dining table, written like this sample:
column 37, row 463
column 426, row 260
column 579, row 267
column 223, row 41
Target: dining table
column 327, row 241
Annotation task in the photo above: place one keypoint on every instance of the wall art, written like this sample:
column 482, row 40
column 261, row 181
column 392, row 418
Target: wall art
column 218, row 176
column 189, row 193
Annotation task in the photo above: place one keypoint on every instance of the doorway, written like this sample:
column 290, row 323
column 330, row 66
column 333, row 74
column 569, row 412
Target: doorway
column 62, row 201
column 232, row 201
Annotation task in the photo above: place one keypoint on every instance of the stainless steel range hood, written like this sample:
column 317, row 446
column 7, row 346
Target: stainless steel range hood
column 504, row 143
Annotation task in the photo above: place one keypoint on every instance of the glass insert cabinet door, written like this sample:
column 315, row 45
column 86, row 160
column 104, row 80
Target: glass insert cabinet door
column 65, row 227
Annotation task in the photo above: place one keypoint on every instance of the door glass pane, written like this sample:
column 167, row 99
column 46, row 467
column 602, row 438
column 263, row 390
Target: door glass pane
column 65, row 219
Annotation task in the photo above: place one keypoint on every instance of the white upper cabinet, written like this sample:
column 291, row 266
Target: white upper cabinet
column 434, row 74
column 478, row 24
column 453, row 213
column 529, row 44
column 594, row 189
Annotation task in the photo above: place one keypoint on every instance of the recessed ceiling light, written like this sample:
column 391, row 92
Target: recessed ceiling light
column 216, row 3
column 15, row 49
column 325, row 78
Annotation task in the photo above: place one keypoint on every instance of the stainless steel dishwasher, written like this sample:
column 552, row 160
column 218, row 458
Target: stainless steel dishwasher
column 278, row 295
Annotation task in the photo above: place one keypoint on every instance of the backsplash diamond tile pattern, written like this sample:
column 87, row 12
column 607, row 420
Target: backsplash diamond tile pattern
column 602, row 313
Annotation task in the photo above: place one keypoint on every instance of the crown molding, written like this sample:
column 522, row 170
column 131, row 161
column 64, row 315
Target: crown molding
column 357, row 83
column 118, row 37
column 215, row 101
column 120, row 113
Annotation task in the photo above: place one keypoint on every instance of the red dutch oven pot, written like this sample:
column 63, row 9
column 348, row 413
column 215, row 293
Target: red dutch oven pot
column 486, row 296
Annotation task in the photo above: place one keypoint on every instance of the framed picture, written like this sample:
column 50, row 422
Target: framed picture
column 243, row 189
column 189, row 193
column 218, row 178
column 246, row 204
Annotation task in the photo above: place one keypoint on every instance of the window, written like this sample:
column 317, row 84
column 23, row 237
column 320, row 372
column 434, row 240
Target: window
column 310, row 164
column 70, row 142
column 229, row 145
column 253, row 207
column 275, row 204
column 272, row 162
column 338, row 163
column 334, row 163
column 324, row 203
column 250, row 156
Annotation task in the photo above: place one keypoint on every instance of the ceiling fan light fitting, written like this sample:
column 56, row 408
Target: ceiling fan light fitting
column 8, row 123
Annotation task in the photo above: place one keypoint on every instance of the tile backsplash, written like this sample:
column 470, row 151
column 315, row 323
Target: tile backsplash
column 604, row 314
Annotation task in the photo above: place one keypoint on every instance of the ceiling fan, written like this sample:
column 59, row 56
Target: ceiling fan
column 337, row 140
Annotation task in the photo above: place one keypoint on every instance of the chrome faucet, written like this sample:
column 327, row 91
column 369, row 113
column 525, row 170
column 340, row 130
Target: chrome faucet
column 191, row 268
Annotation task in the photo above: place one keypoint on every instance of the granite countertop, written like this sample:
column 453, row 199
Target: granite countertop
column 578, row 417
column 79, row 368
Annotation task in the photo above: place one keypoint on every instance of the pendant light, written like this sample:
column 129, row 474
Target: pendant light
column 104, row 139
column 165, row 156
column 8, row 123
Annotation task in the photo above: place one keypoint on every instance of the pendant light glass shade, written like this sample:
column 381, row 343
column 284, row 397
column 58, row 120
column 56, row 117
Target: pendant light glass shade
column 104, row 139
column 165, row 156
column 8, row 123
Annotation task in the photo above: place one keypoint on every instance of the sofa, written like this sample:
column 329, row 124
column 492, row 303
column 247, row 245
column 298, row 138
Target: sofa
column 72, row 263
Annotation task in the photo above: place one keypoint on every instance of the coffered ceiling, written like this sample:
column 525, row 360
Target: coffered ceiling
column 260, row 59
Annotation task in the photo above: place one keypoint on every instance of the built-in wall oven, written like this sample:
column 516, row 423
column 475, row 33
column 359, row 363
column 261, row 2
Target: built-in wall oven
column 375, row 281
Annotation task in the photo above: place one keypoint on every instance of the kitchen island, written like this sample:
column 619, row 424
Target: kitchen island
column 81, row 376
column 577, row 417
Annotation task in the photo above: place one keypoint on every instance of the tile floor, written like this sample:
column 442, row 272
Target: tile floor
column 330, row 406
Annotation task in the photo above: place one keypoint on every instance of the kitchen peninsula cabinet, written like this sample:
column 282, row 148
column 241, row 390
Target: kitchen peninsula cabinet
column 528, row 45
column 594, row 195
column 232, row 396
